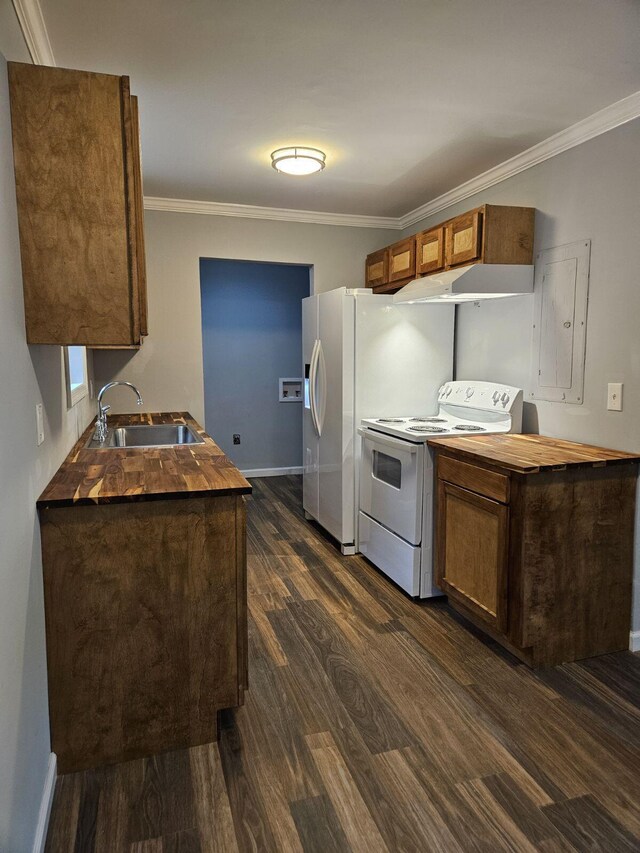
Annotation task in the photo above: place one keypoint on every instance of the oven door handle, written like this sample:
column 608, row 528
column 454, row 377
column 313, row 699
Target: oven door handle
column 381, row 438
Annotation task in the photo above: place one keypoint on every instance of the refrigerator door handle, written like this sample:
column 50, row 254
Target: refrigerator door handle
column 312, row 386
column 322, row 396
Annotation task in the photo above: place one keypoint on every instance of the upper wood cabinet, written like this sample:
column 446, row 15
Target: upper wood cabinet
column 80, row 206
column 430, row 251
column 463, row 238
column 491, row 234
column 377, row 268
column 402, row 260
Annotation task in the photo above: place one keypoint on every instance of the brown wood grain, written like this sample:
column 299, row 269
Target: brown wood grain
column 472, row 552
column 135, row 158
column 402, row 260
column 529, row 454
column 377, row 269
column 132, row 474
column 71, row 142
column 430, row 247
column 143, row 606
column 481, row 480
column 566, row 594
column 502, row 756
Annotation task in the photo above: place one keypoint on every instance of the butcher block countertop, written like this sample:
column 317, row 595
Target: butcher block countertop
column 89, row 476
column 529, row 454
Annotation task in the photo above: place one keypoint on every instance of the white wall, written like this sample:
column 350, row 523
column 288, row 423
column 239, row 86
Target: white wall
column 168, row 369
column 27, row 375
column 592, row 191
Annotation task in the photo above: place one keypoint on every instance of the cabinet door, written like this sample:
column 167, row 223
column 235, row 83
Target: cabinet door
column 402, row 260
column 75, row 163
column 430, row 251
column 464, row 238
column 472, row 552
column 377, row 269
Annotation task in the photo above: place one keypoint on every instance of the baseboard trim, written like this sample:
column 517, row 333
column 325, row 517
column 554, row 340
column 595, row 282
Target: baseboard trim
column 45, row 805
column 271, row 472
column 634, row 641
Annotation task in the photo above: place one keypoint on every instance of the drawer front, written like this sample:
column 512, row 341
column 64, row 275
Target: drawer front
column 399, row 560
column 475, row 479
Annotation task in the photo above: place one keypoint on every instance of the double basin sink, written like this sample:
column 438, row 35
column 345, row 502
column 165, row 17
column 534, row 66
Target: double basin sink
column 146, row 435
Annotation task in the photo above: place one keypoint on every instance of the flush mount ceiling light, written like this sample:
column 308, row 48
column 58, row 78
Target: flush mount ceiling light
column 296, row 160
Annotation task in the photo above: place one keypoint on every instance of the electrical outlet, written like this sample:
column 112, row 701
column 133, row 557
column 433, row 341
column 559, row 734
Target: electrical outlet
column 614, row 396
column 236, row 438
column 40, row 423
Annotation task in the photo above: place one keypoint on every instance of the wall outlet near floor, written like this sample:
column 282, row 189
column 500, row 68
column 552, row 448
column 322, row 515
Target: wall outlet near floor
column 236, row 438
column 614, row 396
column 40, row 423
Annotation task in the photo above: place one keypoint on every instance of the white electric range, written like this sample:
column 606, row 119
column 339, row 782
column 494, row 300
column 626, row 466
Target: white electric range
column 395, row 519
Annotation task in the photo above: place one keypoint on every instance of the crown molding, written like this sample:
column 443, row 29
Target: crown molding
column 250, row 211
column 34, row 31
column 594, row 125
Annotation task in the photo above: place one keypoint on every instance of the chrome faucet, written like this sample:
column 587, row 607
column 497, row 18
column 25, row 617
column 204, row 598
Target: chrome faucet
column 101, row 422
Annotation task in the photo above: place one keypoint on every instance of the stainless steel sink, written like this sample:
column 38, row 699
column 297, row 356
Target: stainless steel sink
column 146, row 435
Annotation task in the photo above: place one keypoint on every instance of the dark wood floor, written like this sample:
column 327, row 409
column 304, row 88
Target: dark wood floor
column 374, row 723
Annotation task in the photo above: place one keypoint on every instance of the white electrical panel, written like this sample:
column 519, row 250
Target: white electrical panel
column 560, row 323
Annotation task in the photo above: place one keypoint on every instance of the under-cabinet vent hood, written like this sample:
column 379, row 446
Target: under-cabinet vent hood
column 469, row 284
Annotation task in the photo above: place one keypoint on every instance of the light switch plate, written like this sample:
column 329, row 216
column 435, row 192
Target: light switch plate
column 614, row 396
column 40, row 423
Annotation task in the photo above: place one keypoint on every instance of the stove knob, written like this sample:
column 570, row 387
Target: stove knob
column 505, row 399
column 449, row 390
column 495, row 397
column 469, row 393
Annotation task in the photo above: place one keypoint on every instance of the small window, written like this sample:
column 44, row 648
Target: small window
column 76, row 371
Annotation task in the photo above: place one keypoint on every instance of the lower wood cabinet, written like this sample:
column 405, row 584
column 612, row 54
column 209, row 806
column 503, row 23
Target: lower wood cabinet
column 146, row 622
column 542, row 561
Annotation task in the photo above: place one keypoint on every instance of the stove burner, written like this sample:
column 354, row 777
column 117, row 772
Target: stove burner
column 390, row 420
column 426, row 429
column 469, row 428
column 429, row 420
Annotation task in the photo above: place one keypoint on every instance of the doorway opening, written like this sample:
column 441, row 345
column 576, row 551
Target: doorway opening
column 252, row 357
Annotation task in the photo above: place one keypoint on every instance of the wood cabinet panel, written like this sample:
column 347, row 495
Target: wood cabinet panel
column 491, row 484
column 377, row 269
column 472, row 552
column 75, row 165
column 402, row 260
column 146, row 625
column 549, row 573
column 464, row 235
column 430, row 246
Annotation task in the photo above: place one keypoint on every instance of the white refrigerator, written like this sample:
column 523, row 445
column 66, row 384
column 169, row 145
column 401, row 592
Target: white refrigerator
column 363, row 357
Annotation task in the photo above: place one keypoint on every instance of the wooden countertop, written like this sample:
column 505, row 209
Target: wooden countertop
column 89, row 476
column 529, row 454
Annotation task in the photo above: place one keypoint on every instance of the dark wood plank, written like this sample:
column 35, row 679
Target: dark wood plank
column 588, row 826
column 498, row 755
column 318, row 825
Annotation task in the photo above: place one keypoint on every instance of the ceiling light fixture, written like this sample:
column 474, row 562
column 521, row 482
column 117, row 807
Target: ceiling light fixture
column 296, row 160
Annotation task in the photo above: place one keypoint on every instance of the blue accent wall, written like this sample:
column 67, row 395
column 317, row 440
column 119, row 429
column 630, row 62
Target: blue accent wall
column 252, row 336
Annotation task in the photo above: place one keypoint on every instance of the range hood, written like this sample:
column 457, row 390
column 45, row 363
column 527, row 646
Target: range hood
column 469, row 284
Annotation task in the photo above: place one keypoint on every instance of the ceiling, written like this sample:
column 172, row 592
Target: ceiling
column 408, row 98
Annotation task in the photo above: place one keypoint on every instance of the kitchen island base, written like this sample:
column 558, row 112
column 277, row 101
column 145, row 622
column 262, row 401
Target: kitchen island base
column 146, row 625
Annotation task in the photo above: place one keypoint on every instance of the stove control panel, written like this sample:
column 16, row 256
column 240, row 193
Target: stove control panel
column 479, row 395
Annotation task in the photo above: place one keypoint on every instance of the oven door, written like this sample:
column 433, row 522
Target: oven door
column 391, row 478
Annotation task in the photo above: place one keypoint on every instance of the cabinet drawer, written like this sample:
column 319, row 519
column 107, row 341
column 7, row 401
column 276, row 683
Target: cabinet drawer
column 475, row 479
